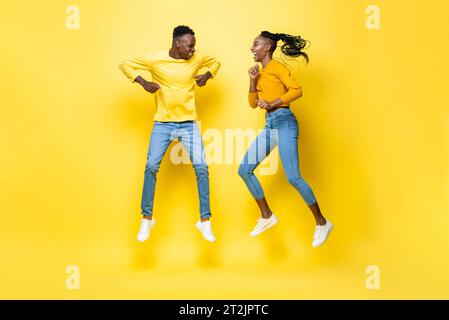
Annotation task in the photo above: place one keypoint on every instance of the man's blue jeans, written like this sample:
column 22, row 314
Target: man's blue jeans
column 281, row 129
column 189, row 135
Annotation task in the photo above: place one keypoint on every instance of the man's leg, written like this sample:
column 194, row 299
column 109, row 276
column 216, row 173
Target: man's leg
column 159, row 141
column 190, row 137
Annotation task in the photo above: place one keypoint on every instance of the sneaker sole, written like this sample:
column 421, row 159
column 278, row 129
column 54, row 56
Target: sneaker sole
column 268, row 226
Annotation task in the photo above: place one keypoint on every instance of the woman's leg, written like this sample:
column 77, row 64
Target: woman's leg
column 257, row 152
column 265, row 210
column 288, row 150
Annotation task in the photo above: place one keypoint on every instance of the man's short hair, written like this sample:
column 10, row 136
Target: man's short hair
column 179, row 31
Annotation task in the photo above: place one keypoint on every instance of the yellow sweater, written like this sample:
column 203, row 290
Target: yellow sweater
column 175, row 100
column 275, row 81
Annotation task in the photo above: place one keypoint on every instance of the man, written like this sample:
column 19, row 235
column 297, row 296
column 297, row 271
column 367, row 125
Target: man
column 174, row 73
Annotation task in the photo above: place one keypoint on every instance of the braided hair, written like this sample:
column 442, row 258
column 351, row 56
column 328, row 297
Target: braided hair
column 292, row 47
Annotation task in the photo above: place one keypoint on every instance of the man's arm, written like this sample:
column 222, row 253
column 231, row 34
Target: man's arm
column 149, row 86
column 129, row 67
column 201, row 79
column 212, row 65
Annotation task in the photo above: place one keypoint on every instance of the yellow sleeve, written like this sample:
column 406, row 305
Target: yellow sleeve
column 129, row 66
column 293, row 89
column 252, row 97
column 211, row 64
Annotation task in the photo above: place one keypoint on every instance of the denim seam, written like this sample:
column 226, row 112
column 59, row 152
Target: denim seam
column 290, row 145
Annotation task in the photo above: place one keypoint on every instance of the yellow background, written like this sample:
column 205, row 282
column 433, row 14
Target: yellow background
column 374, row 146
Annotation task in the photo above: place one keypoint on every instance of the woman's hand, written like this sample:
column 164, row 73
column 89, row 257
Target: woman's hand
column 269, row 105
column 263, row 104
column 254, row 72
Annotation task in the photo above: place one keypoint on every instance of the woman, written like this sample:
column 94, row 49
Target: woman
column 273, row 88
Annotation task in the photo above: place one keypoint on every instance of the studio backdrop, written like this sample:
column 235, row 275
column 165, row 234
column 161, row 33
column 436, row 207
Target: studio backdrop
column 373, row 145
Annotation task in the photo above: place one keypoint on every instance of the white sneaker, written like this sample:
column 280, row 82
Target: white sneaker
column 321, row 234
column 263, row 224
column 144, row 232
column 206, row 230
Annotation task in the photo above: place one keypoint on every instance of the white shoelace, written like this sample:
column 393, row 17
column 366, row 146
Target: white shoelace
column 259, row 223
column 317, row 232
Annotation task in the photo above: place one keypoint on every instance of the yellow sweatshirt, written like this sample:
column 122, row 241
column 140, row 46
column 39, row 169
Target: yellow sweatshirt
column 275, row 81
column 175, row 100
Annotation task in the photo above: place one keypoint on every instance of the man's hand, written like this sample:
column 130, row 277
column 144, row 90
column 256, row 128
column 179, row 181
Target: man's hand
column 254, row 72
column 201, row 79
column 151, row 87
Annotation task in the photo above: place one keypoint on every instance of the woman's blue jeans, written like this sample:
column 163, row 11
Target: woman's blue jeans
column 282, row 130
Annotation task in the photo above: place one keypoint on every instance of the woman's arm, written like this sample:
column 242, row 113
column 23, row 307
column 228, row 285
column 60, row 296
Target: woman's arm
column 253, row 77
column 291, row 95
column 294, row 91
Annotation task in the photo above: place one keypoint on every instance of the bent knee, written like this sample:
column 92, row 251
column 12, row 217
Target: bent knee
column 244, row 170
column 152, row 167
column 295, row 180
column 201, row 167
